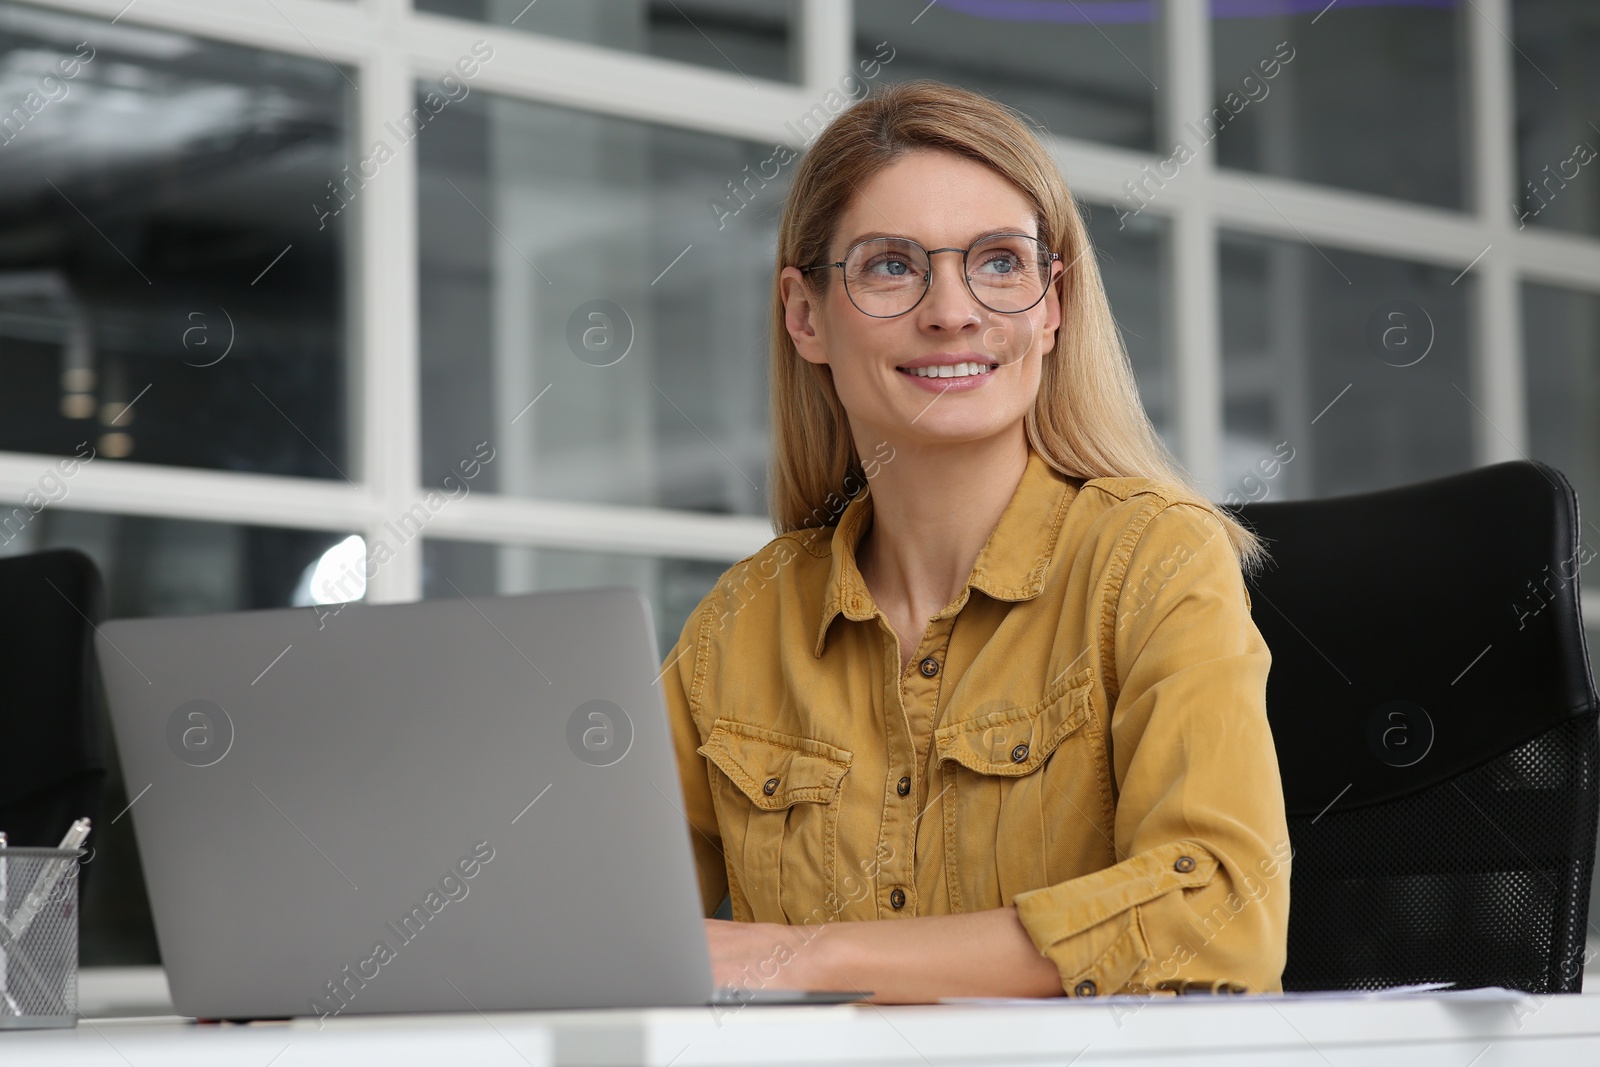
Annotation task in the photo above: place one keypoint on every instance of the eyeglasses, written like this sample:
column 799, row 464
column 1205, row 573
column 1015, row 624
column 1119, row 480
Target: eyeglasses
column 888, row 276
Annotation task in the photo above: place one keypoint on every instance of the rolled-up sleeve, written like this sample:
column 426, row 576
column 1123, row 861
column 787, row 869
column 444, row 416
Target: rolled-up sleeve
column 682, row 672
column 1200, row 895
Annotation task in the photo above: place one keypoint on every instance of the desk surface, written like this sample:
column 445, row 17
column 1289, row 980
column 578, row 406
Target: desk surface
column 1418, row 1031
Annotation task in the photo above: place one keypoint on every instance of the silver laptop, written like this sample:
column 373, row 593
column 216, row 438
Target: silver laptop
column 453, row 805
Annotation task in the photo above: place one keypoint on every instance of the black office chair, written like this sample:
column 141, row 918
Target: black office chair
column 1435, row 720
column 52, row 750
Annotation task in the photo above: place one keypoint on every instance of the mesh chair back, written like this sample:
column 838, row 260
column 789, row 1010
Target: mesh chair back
column 1435, row 719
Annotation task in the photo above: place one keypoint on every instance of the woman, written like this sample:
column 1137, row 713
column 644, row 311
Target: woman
column 1009, row 697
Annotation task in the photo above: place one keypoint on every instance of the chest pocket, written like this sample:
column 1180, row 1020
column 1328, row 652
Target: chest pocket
column 1028, row 799
column 777, row 800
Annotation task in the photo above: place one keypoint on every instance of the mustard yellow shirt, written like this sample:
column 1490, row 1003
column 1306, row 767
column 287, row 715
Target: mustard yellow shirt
column 1082, row 733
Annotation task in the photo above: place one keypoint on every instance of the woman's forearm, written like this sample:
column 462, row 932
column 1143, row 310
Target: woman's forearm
column 918, row 960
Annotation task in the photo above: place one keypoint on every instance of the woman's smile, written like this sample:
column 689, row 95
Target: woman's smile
column 949, row 372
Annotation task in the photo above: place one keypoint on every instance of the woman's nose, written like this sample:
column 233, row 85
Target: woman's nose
column 949, row 302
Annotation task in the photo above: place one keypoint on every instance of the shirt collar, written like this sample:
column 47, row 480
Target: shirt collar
column 1011, row 565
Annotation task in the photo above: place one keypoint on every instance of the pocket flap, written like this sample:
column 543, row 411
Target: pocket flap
column 775, row 770
column 1014, row 741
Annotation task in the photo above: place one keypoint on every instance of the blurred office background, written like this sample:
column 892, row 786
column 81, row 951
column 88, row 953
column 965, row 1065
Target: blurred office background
column 285, row 265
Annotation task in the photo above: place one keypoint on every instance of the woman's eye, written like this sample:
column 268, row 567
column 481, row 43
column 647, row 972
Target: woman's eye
column 891, row 266
column 1004, row 262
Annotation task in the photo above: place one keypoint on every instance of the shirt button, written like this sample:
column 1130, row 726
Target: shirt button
column 929, row 667
column 1085, row 988
column 1019, row 753
column 897, row 898
column 1184, row 864
column 903, row 787
column 770, row 787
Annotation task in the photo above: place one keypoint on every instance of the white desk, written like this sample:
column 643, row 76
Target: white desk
column 1415, row 1032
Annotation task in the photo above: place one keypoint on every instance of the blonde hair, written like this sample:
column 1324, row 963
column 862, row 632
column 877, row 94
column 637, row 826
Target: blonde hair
column 1087, row 420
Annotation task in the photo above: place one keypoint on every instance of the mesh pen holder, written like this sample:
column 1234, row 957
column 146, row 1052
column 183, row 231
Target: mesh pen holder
column 38, row 937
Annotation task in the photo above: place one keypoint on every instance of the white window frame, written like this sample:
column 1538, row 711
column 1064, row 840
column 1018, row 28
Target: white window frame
column 387, row 48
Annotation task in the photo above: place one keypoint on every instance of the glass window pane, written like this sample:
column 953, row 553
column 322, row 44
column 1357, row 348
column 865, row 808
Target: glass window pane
column 467, row 568
column 1132, row 257
column 1088, row 71
column 1561, row 339
column 594, row 303
column 748, row 37
column 1369, row 97
column 155, row 566
column 1557, row 71
column 160, row 248
column 1340, row 374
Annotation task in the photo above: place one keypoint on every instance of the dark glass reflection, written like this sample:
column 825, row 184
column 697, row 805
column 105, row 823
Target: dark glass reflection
column 1562, row 375
column 1342, row 372
column 594, row 295
column 1557, row 70
column 1088, row 71
column 1132, row 256
column 747, row 37
column 168, row 293
column 1368, row 97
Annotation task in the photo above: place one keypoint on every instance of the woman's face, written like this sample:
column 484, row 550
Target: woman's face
column 939, row 200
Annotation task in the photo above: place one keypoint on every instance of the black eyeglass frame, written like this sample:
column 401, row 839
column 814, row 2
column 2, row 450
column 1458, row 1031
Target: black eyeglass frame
column 927, row 284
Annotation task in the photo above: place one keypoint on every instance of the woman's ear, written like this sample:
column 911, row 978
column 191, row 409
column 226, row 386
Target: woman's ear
column 1054, row 299
column 802, row 315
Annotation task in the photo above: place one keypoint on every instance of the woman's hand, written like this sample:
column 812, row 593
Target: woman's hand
column 767, row 955
column 899, row 961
